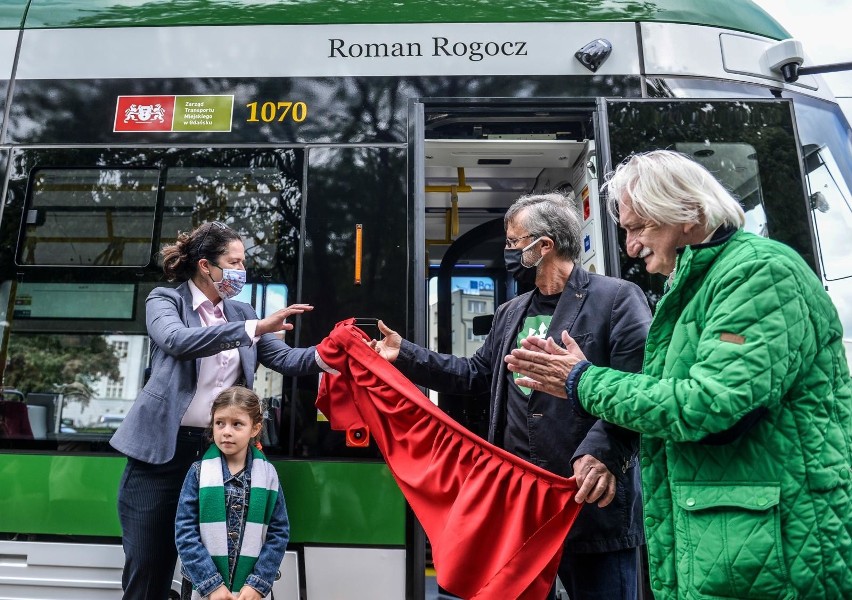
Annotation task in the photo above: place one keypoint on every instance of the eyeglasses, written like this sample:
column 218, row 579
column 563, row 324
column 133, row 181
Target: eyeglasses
column 213, row 224
column 512, row 242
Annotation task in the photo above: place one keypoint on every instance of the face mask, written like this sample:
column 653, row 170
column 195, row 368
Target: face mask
column 232, row 283
column 522, row 273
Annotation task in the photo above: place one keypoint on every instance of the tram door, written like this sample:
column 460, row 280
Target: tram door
column 751, row 146
column 477, row 159
column 474, row 157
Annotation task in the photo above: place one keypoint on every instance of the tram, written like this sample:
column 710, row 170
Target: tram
column 366, row 151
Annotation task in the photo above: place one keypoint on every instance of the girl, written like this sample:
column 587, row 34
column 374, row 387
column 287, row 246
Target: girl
column 231, row 528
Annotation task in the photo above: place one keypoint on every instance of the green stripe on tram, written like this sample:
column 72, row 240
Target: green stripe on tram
column 12, row 13
column 328, row 502
column 742, row 15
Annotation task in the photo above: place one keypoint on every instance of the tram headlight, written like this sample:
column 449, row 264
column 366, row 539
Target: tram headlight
column 594, row 54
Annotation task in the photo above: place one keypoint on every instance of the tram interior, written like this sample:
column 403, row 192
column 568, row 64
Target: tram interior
column 475, row 168
column 495, row 154
column 489, row 175
column 470, row 183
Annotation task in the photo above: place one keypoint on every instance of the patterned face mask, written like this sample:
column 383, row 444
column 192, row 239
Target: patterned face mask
column 232, row 283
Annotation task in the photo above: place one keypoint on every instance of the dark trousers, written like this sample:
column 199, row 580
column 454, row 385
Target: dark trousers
column 601, row 576
column 147, row 503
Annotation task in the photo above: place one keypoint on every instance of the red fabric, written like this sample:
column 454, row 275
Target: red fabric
column 496, row 522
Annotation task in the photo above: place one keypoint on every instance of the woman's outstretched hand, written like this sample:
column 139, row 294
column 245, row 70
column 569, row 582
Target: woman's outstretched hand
column 277, row 321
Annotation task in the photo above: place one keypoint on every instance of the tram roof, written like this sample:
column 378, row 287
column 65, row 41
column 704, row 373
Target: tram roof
column 741, row 15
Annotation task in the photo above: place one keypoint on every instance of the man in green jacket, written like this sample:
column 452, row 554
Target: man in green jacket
column 744, row 402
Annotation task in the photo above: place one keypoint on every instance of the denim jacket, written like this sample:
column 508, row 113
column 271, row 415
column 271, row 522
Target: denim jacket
column 197, row 565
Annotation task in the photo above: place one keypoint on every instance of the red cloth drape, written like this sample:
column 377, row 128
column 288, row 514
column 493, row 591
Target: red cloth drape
column 496, row 523
column 14, row 420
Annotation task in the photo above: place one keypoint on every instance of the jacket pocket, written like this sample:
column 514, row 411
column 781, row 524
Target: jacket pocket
column 728, row 541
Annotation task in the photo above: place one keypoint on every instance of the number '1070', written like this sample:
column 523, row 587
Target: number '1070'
column 277, row 111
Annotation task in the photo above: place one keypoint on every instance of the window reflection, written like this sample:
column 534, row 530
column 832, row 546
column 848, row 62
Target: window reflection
column 826, row 140
column 89, row 217
column 832, row 210
column 736, row 166
column 262, row 203
column 749, row 146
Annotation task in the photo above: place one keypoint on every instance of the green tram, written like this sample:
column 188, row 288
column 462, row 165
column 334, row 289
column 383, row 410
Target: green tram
column 366, row 151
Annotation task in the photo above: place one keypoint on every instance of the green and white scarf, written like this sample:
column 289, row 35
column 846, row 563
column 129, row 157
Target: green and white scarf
column 213, row 521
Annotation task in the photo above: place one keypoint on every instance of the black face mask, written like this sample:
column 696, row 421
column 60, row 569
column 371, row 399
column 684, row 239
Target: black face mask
column 521, row 274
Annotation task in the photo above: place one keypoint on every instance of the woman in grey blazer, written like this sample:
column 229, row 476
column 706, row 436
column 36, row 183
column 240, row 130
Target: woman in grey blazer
column 202, row 342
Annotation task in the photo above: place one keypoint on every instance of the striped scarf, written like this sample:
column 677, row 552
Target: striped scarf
column 213, row 521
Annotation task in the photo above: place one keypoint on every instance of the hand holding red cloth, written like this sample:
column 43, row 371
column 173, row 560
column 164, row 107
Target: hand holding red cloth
column 496, row 523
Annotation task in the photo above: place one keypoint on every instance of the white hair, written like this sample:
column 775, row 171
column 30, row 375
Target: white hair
column 670, row 188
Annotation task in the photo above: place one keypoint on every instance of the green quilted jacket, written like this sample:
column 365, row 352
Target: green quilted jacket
column 745, row 410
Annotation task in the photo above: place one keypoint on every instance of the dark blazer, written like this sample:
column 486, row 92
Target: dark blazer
column 609, row 319
column 179, row 342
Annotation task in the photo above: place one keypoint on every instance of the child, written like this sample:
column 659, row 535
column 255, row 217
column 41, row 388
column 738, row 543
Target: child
column 231, row 528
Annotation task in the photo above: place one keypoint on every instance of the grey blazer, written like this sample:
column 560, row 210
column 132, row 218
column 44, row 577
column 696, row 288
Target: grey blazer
column 179, row 342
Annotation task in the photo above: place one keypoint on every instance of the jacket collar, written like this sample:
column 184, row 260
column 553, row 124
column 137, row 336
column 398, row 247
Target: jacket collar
column 695, row 260
column 567, row 309
column 722, row 234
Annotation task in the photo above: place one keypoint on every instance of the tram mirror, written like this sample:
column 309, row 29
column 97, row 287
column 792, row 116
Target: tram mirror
column 482, row 324
column 810, row 152
column 818, row 202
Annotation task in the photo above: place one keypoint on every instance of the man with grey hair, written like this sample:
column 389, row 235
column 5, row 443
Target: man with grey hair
column 609, row 317
column 744, row 402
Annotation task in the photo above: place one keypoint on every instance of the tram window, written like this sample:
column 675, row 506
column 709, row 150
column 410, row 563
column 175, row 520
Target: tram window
column 831, row 202
column 472, row 297
column 750, row 146
column 825, row 136
column 262, row 203
column 264, row 297
column 76, row 387
column 89, row 217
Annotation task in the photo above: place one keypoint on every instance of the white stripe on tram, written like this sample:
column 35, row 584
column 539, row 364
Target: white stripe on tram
column 322, row 50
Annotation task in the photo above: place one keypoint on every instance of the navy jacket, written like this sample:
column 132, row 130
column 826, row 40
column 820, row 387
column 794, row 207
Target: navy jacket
column 179, row 342
column 609, row 319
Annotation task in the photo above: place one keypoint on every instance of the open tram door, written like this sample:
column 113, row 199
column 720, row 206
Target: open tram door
column 751, row 146
column 471, row 158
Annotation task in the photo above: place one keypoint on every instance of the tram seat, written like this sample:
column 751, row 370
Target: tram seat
column 14, row 420
column 42, row 409
column 38, row 421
